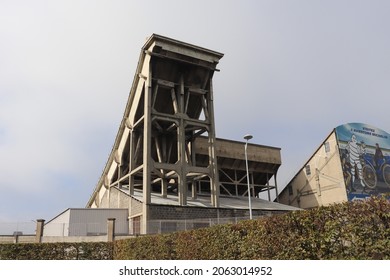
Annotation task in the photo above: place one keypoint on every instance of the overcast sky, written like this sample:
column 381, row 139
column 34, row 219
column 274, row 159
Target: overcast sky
column 292, row 71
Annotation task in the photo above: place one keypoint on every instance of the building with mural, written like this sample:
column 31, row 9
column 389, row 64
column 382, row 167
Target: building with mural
column 353, row 162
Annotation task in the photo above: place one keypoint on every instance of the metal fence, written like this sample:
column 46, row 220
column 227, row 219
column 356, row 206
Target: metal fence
column 166, row 226
column 126, row 228
column 20, row 228
column 84, row 229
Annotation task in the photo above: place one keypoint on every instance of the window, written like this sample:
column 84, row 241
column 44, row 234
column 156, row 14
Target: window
column 307, row 169
column 327, row 147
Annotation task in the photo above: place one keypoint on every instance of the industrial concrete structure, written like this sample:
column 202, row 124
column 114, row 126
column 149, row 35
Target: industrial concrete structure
column 353, row 162
column 166, row 162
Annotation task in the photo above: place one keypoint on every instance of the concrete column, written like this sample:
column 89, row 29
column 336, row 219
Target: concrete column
column 214, row 176
column 131, row 163
column 269, row 195
column 164, row 188
column 147, row 150
column 110, row 229
column 39, row 230
column 276, row 189
column 181, row 150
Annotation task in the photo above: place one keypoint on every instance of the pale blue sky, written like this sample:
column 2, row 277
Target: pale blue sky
column 292, row 71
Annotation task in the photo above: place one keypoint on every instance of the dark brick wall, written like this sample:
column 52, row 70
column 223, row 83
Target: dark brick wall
column 167, row 212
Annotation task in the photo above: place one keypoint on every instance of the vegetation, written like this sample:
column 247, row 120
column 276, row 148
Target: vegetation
column 57, row 251
column 351, row 230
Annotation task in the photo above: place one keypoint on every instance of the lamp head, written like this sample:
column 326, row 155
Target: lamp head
column 248, row 137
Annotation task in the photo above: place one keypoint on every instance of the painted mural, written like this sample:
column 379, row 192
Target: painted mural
column 365, row 157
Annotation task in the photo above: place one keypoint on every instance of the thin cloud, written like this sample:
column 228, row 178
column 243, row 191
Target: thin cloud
column 292, row 71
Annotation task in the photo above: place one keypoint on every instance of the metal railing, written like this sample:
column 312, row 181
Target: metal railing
column 126, row 228
column 84, row 229
column 166, row 226
column 19, row 228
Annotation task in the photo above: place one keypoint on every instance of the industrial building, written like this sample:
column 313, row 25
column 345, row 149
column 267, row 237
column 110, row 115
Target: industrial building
column 166, row 162
column 353, row 162
column 87, row 222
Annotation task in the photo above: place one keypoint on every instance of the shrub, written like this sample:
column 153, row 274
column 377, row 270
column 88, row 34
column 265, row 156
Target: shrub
column 57, row 251
column 350, row 230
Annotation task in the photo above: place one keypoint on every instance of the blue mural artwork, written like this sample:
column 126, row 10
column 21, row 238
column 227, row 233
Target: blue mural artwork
column 365, row 158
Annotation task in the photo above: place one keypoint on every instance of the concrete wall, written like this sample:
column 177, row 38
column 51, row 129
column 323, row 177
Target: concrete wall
column 235, row 150
column 135, row 207
column 17, row 238
column 110, row 235
column 118, row 199
column 53, row 239
column 320, row 181
column 104, row 201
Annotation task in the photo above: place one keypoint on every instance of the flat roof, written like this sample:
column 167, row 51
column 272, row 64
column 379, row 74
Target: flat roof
column 229, row 202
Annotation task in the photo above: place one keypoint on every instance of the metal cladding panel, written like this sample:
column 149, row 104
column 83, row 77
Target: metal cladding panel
column 58, row 226
column 94, row 221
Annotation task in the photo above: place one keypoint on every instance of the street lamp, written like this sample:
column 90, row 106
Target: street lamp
column 247, row 138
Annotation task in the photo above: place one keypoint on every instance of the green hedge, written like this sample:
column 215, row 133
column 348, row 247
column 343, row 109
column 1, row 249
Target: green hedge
column 57, row 251
column 358, row 230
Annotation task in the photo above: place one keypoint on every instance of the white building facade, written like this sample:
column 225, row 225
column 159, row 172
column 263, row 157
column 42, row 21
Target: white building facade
column 353, row 162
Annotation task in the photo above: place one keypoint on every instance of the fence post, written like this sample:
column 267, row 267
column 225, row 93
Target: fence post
column 16, row 238
column 39, row 231
column 110, row 229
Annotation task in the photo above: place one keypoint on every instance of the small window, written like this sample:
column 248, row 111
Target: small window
column 308, row 171
column 327, row 147
column 290, row 190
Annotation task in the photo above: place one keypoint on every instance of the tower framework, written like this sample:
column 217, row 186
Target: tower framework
column 166, row 151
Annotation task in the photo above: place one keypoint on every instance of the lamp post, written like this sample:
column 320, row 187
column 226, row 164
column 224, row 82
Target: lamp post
column 247, row 138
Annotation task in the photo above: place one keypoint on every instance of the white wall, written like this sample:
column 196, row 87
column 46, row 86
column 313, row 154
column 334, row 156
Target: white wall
column 323, row 185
